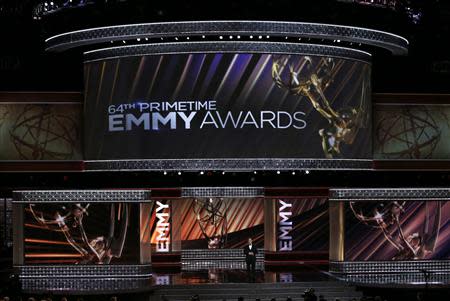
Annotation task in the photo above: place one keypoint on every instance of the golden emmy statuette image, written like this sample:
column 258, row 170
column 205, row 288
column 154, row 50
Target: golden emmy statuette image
column 212, row 221
column 310, row 79
column 387, row 217
column 70, row 221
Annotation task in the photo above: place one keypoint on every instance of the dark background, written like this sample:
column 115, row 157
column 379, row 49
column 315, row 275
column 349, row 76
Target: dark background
column 25, row 66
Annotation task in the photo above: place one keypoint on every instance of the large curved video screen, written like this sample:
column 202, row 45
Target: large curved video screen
column 227, row 105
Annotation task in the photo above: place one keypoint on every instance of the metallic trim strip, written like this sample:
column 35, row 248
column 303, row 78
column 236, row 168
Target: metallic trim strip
column 90, row 285
column 197, row 259
column 394, row 43
column 222, row 192
column 225, row 47
column 409, row 266
column 58, row 196
column 397, row 280
column 227, row 164
column 389, row 193
column 84, row 271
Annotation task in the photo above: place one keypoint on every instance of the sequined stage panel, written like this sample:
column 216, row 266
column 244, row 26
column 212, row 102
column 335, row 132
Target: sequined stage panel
column 232, row 259
column 208, row 284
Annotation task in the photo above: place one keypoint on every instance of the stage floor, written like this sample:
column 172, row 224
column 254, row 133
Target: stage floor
column 220, row 284
column 216, row 276
column 303, row 274
column 296, row 278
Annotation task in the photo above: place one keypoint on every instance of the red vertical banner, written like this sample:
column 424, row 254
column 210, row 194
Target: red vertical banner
column 284, row 224
column 161, row 226
column 302, row 224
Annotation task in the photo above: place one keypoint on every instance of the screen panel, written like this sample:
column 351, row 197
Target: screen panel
column 303, row 224
column 212, row 223
column 397, row 230
column 81, row 233
column 227, row 105
column 40, row 131
column 412, row 131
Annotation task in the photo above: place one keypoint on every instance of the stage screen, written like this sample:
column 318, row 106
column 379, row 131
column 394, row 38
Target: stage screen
column 397, row 230
column 412, row 131
column 221, row 223
column 40, row 131
column 225, row 105
column 81, row 233
column 303, row 224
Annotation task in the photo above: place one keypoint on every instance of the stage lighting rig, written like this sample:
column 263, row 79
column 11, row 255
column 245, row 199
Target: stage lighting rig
column 47, row 7
column 12, row 8
column 412, row 8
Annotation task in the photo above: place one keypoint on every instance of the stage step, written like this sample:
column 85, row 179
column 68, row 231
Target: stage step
column 250, row 291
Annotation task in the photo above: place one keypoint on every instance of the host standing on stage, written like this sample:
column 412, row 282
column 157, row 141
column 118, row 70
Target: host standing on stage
column 250, row 256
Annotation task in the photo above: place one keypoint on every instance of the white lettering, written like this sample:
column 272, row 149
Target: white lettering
column 253, row 121
column 285, row 228
column 158, row 118
column 115, row 123
column 300, row 120
column 212, row 121
column 279, row 125
column 162, row 227
column 145, row 118
column 187, row 119
column 229, row 117
column 267, row 120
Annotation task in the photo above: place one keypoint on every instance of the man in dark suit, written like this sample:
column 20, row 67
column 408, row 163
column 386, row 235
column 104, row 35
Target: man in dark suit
column 250, row 256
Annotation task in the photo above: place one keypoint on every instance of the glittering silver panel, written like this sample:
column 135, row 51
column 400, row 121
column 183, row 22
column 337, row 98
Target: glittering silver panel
column 83, row 271
column 358, row 267
column 398, row 279
column 6, row 228
column 394, row 43
column 228, row 164
column 89, row 196
column 224, row 47
column 96, row 285
column 222, row 192
column 192, row 260
column 390, row 193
